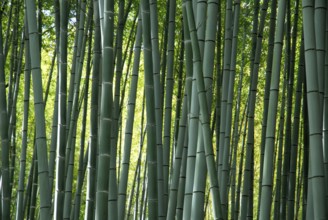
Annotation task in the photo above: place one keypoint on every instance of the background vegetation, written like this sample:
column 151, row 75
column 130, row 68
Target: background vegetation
column 173, row 109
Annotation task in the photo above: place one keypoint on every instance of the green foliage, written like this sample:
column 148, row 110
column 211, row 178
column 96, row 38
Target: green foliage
column 229, row 140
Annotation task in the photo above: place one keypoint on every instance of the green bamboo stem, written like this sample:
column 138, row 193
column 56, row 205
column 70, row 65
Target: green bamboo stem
column 129, row 123
column 204, row 119
column 236, row 134
column 92, row 151
column 295, row 148
column 193, row 126
column 182, row 179
column 106, row 106
column 227, row 138
column 152, row 185
column 268, row 72
column 289, row 97
column 218, row 90
column 28, row 190
column 279, row 154
column 325, row 113
column 168, row 100
column 39, row 110
column 174, row 184
column 113, row 188
column 225, row 82
column 236, row 211
column 72, row 111
column 13, row 59
column 34, row 188
column 81, row 171
column 8, row 36
column 267, row 173
column 305, row 140
column 316, row 179
column 158, row 103
column 22, row 168
column 206, row 39
column 61, row 132
column 320, row 7
column 141, row 143
column 5, row 197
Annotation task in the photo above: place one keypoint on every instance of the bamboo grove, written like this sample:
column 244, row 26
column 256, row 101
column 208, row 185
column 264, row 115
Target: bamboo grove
column 168, row 109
